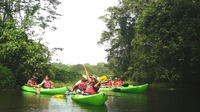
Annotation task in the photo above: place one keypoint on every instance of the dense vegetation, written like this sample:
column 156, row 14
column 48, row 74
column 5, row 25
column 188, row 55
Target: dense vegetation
column 154, row 40
column 72, row 73
column 149, row 41
column 21, row 56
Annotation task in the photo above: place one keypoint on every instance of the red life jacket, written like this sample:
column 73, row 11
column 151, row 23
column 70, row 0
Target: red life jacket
column 32, row 82
column 115, row 82
column 120, row 82
column 47, row 84
column 109, row 83
column 90, row 88
column 82, row 85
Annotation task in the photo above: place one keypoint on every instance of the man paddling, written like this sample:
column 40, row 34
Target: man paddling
column 92, row 85
column 80, row 86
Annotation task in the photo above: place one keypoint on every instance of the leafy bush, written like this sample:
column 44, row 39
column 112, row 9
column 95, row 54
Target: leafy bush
column 6, row 78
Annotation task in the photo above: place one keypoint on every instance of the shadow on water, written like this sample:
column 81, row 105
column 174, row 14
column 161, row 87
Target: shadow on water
column 10, row 101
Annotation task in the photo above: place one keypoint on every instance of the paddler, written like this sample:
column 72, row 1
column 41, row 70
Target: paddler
column 80, row 85
column 47, row 82
column 108, row 83
column 120, row 82
column 92, row 86
column 31, row 82
column 117, row 82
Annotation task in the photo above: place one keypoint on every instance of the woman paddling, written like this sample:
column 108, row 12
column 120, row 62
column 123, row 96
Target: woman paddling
column 47, row 82
column 92, row 85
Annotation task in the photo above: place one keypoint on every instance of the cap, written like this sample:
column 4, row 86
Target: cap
column 84, row 76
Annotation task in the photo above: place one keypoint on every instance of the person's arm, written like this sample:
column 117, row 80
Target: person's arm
column 73, row 87
column 42, row 83
column 97, row 84
column 28, row 83
column 76, row 85
column 86, row 72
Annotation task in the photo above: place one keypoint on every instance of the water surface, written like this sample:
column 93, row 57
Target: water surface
column 152, row 100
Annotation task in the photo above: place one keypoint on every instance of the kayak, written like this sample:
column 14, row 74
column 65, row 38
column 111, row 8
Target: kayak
column 96, row 99
column 132, row 89
column 46, row 91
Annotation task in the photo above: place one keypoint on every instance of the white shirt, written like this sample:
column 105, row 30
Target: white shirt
column 78, row 83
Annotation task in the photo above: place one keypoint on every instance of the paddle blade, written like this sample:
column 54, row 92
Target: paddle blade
column 103, row 78
column 59, row 96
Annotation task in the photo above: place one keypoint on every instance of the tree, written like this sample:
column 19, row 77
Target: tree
column 29, row 13
column 7, row 78
column 167, row 43
column 23, row 56
column 120, row 21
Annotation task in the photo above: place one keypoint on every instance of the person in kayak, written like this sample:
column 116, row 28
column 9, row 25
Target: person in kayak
column 108, row 83
column 47, row 82
column 92, row 86
column 31, row 82
column 120, row 82
column 80, row 86
column 117, row 82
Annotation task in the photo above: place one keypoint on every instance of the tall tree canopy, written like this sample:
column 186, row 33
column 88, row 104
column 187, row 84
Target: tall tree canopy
column 120, row 21
column 154, row 40
column 167, row 46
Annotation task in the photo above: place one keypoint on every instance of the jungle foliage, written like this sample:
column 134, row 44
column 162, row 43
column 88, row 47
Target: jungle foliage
column 154, row 40
column 21, row 56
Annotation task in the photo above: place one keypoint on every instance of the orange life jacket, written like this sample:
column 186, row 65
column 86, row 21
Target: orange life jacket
column 90, row 88
column 31, row 82
column 47, row 84
column 82, row 85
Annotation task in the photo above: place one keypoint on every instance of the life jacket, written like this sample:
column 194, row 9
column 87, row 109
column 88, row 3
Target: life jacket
column 82, row 85
column 120, row 82
column 90, row 88
column 115, row 82
column 47, row 84
column 32, row 82
column 108, row 83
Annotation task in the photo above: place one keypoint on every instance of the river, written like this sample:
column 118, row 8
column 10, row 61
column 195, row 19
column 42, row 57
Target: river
column 152, row 100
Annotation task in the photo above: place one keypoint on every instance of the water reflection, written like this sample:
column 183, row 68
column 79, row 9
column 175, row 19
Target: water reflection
column 80, row 107
column 127, row 102
column 46, row 103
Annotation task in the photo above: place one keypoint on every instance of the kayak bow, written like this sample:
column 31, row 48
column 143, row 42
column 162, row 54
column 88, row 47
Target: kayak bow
column 96, row 99
column 46, row 91
column 133, row 89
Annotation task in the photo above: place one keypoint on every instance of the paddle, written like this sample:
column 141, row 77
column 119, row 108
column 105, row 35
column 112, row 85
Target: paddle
column 60, row 96
column 102, row 78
